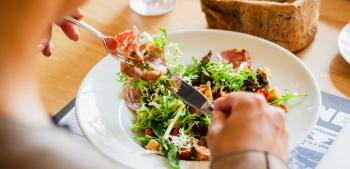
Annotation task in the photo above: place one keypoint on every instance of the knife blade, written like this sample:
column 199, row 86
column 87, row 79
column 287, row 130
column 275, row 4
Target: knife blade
column 191, row 96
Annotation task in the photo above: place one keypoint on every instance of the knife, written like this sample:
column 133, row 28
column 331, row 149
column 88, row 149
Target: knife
column 191, row 96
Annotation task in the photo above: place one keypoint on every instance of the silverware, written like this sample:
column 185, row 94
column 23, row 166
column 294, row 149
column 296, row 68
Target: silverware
column 184, row 91
column 108, row 41
column 191, row 96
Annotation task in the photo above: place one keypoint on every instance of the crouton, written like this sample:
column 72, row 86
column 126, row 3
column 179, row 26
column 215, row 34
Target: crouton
column 153, row 145
column 202, row 153
column 274, row 94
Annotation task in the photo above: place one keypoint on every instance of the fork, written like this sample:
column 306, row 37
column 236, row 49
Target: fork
column 109, row 42
column 183, row 90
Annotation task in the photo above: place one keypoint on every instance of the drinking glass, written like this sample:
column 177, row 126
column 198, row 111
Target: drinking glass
column 152, row 7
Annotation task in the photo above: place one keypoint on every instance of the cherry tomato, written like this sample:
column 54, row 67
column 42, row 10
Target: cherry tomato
column 263, row 92
column 149, row 132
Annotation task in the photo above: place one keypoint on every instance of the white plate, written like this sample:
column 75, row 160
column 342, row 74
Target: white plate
column 344, row 42
column 106, row 122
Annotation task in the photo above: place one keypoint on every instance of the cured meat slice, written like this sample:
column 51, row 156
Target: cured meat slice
column 235, row 57
column 148, row 60
column 154, row 64
column 132, row 97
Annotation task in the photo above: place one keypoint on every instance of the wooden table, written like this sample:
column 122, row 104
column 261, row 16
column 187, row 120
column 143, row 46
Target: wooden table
column 61, row 74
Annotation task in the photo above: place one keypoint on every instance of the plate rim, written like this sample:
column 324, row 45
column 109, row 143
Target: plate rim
column 179, row 31
column 341, row 50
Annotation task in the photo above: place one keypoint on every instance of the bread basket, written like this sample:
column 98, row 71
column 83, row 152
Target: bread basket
column 291, row 24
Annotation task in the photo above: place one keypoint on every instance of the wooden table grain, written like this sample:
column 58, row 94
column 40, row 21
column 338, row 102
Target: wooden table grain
column 59, row 76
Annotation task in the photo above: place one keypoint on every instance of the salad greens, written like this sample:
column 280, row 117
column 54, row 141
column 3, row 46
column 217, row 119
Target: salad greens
column 286, row 97
column 219, row 74
column 163, row 117
column 161, row 41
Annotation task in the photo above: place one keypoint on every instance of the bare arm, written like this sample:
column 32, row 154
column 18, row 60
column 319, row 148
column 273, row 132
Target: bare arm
column 24, row 23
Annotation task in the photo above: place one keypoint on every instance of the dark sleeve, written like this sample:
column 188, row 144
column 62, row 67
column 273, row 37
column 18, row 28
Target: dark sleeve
column 248, row 160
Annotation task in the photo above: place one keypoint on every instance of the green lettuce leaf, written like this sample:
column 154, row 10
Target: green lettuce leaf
column 171, row 153
column 144, row 140
column 286, row 97
column 161, row 41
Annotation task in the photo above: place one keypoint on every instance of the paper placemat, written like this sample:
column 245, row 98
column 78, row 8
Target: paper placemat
column 334, row 114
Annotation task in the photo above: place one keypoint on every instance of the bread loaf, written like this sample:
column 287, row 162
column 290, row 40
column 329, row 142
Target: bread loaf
column 291, row 24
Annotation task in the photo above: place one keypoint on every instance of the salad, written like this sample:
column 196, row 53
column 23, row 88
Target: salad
column 164, row 124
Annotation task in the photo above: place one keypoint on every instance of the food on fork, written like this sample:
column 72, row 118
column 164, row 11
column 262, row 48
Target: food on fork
column 148, row 60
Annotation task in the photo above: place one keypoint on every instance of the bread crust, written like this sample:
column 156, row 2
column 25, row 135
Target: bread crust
column 292, row 25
